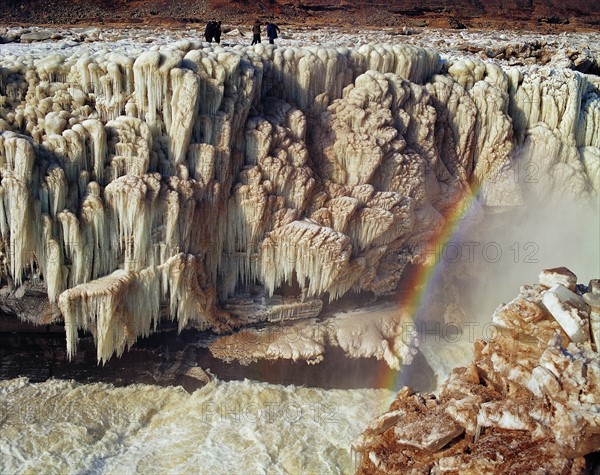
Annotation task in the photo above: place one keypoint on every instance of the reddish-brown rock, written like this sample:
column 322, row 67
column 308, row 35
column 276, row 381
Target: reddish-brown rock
column 514, row 14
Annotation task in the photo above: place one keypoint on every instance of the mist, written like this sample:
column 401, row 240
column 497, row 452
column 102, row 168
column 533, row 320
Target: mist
column 491, row 258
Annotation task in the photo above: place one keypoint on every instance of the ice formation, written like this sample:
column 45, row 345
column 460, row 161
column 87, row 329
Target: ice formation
column 172, row 180
column 381, row 332
column 528, row 401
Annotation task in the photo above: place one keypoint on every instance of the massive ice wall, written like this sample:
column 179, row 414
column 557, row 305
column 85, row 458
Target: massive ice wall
column 168, row 181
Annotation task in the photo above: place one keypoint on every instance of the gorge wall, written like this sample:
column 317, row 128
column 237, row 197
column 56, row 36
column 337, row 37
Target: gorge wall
column 224, row 186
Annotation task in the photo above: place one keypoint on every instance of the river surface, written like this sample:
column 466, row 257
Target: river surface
column 223, row 428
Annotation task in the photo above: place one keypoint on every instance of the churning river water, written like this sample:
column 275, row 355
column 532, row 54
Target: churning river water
column 223, row 428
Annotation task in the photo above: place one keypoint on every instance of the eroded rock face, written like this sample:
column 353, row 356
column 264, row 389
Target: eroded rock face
column 528, row 402
column 186, row 175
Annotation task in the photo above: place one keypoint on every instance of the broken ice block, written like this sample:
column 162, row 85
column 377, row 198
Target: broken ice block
column 569, row 310
column 431, row 433
column 506, row 414
column 558, row 275
column 542, row 381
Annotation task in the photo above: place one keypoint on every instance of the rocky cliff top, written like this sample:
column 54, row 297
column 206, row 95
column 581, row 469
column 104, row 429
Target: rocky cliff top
column 513, row 14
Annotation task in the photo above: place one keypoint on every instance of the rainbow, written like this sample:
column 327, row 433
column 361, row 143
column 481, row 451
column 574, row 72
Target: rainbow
column 427, row 274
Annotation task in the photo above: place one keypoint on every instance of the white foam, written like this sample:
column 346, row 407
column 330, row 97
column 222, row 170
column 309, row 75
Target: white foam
column 223, row 428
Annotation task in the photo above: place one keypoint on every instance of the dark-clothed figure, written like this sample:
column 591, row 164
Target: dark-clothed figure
column 256, row 33
column 272, row 30
column 209, row 31
column 217, row 32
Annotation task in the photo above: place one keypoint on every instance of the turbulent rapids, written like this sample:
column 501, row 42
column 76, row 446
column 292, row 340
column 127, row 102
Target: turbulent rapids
column 235, row 427
column 222, row 186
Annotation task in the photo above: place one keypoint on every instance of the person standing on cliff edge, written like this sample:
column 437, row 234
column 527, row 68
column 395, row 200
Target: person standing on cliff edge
column 209, row 31
column 272, row 30
column 256, row 33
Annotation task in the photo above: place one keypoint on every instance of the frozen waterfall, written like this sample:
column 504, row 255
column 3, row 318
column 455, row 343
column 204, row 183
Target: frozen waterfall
column 169, row 181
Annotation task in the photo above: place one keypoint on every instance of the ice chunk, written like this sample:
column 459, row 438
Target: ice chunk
column 558, row 275
column 431, row 433
column 569, row 310
column 543, row 381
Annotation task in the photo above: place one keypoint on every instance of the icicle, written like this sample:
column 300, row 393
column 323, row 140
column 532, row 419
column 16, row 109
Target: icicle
column 53, row 270
column 132, row 204
column 17, row 214
column 184, row 105
column 122, row 306
column 97, row 144
column 315, row 254
column 97, row 233
column 74, row 248
column 49, row 67
column 56, row 185
column 18, row 156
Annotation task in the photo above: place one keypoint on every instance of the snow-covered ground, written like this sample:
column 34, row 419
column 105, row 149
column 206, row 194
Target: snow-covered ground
column 504, row 47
